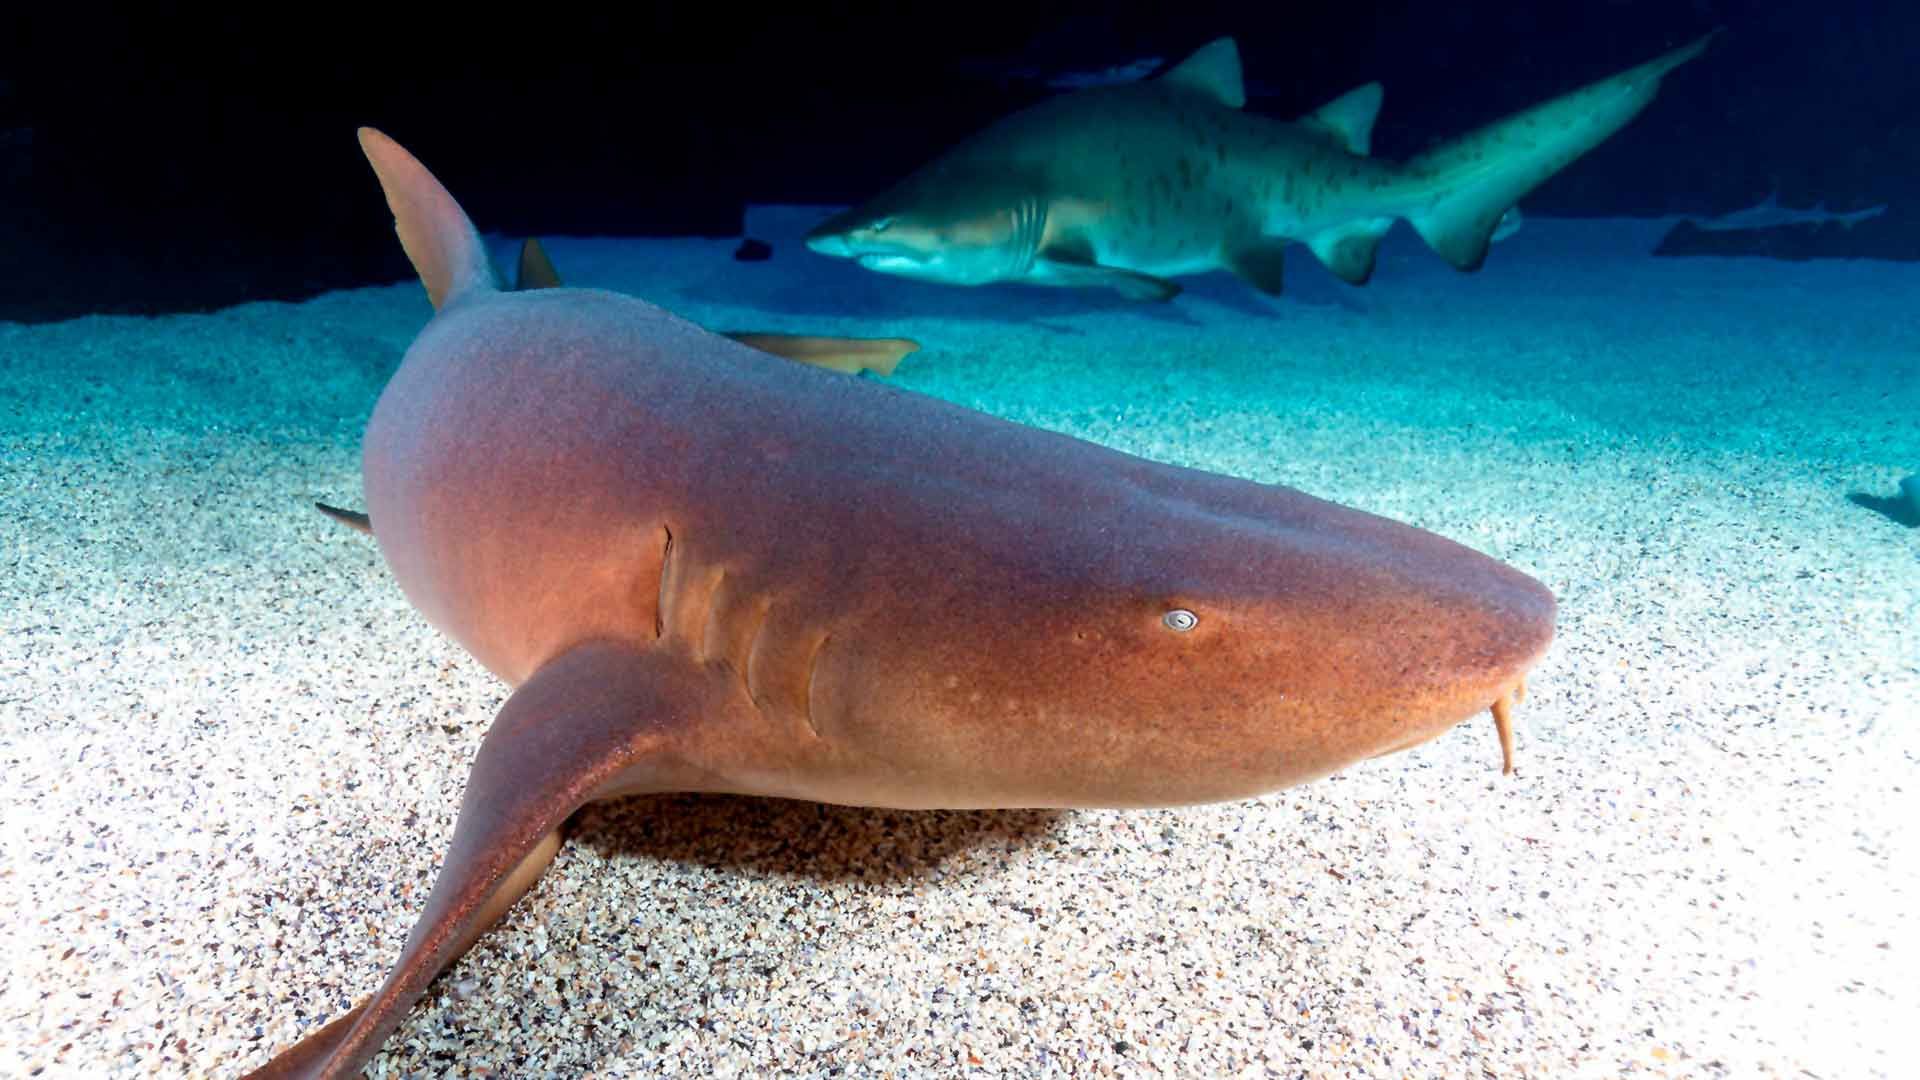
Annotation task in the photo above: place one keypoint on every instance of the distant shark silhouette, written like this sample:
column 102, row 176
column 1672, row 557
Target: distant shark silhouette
column 1128, row 185
column 1768, row 214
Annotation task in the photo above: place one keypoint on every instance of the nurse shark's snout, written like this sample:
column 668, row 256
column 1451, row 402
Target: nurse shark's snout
column 1497, row 624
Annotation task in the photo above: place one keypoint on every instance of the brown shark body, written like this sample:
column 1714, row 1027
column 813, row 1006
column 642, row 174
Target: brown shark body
column 702, row 568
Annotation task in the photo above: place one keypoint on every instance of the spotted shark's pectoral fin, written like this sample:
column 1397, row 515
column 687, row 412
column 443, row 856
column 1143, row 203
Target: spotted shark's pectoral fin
column 601, row 719
column 1129, row 283
column 535, row 270
column 1072, row 265
column 848, row 355
column 352, row 519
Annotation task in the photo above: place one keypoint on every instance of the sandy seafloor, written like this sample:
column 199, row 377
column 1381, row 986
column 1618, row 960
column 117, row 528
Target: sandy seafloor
column 233, row 753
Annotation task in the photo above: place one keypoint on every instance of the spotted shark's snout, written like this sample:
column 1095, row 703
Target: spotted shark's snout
column 871, row 251
column 834, row 244
column 834, row 237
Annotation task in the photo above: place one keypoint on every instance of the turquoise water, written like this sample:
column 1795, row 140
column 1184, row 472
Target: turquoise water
column 225, row 727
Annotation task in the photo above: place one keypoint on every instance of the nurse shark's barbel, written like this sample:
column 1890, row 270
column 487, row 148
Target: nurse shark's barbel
column 1127, row 186
column 704, row 568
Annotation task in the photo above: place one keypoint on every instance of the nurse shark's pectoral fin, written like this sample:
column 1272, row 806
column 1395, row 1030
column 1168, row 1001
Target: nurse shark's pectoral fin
column 599, row 720
column 1073, row 265
column 848, row 355
column 353, row 519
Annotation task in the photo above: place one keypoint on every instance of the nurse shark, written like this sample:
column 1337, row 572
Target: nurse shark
column 702, row 568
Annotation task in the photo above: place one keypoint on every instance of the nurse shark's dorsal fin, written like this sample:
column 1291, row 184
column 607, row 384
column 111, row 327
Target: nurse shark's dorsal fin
column 439, row 238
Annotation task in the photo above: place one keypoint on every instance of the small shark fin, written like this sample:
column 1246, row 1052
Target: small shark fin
column 440, row 240
column 1214, row 70
column 1137, row 286
column 536, row 270
column 1261, row 264
column 1348, row 119
column 597, row 718
column 1509, row 223
column 848, row 355
column 1071, row 266
column 353, row 519
column 1349, row 250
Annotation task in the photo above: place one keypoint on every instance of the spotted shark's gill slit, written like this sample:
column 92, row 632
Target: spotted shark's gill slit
column 1029, row 229
column 660, row 605
column 813, row 669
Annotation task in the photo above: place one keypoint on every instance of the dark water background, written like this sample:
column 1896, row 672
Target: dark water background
column 155, row 160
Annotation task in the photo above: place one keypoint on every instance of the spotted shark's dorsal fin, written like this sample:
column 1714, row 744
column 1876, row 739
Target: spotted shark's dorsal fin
column 444, row 247
column 1214, row 70
column 536, row 271
column 1348, row 119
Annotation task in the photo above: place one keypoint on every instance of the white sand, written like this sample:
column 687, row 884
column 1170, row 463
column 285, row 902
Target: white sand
column 234, row 753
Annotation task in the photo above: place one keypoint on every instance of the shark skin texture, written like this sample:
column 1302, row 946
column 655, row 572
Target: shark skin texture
column 1127, row 186
column 702, row 568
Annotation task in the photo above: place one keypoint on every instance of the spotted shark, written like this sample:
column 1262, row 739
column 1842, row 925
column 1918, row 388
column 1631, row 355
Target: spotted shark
column 1127, row 186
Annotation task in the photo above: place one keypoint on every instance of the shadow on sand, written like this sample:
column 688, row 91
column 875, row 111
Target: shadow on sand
column 797, row 839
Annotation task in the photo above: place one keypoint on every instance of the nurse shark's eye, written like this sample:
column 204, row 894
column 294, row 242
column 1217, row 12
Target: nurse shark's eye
column 1180, row 619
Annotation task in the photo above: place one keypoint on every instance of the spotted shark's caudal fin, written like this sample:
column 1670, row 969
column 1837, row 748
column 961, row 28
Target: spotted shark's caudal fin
column 1472, row 181
column 439, row 239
